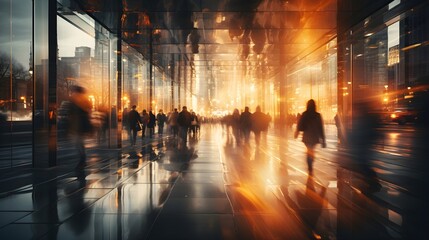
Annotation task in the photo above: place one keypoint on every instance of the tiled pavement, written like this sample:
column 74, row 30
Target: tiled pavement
column 215, row 189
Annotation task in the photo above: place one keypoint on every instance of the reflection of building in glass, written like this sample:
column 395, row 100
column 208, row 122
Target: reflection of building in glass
column 77, row 69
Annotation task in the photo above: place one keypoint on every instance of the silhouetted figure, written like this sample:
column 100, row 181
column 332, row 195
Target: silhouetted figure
column 260, row 123
column 125, row 119
column 184, row 121
column 79, row 120
column 340, row 128
column 134, row 120
column 246, row 123
column 235, row 123
column 151, row 124
column 172, row 122
column 194, row 124
column 100, row 121
column 145, row 121
column 161, row 118
column 361, row 142
column 311, row 124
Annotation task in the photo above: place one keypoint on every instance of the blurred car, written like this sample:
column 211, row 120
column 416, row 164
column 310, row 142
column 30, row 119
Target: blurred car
column 404, row 115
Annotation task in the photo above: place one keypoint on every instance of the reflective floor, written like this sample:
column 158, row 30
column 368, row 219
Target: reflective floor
column 216, row 188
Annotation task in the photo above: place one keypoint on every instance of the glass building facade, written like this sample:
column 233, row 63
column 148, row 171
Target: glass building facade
column 47, row 47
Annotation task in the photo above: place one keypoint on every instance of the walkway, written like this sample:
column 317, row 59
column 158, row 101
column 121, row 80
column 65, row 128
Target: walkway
column 215, row 189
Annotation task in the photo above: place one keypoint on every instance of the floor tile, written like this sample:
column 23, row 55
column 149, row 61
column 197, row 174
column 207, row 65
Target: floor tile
column 193, row 226
column 197, row 205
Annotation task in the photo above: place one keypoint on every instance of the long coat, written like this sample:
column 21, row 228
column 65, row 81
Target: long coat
column 311, row 124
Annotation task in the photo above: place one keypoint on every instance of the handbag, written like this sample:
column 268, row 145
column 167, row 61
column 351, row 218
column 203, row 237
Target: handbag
column 139, row 126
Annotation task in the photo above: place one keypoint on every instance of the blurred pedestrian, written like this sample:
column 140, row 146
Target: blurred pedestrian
column 362, row 139
column 184, row 121
column 194, row 124
column 151, row 124
column 340, row 127
column 80, row 126
column 311, row 124
column 125, row 118
column 246, row 123
column 134, row 124
column 100, row 121
column 236, row 126
column 145, row 121
column 172, row 122
column 161, row 118
column 260, row 123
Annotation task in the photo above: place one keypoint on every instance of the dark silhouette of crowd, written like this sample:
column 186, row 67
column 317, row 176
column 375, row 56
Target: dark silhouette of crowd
column 242, row 125
column 180, row 125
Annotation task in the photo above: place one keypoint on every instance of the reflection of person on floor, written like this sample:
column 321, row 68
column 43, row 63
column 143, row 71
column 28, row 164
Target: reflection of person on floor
column 311, row 124
column 79, row 120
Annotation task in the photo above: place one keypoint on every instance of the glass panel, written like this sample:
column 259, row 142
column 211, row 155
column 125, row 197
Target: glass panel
column 85, row 52
column 390, row 68
column 314, row 77
column 113, row 91
column 132, row 83
column 16, row 84
column 41, row 78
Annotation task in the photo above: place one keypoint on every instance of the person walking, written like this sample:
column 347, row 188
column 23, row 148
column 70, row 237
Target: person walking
column 161, row 118
column 151, row 124
column 246, row 123
column 79, row 126
column 125, row 118
column 145, row 121
column 194, row 124
column 172, row 121
column 236, row 126
column 311, row 124
column 184, row 122
column 134, row 120
column 260, row 123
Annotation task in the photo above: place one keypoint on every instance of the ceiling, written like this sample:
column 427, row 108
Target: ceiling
column 210, row 35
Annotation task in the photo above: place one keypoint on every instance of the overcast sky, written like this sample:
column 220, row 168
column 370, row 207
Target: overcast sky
column 70, row 37
column 16, row 27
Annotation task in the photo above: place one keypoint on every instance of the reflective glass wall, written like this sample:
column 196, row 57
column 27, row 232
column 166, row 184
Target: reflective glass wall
column 87, row 57
column 314, row 77
column 16, row 83
column 386, row 64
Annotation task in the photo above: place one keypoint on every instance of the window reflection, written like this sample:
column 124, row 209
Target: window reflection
column 315, row 77
column 16, row 83
column 87, row 58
